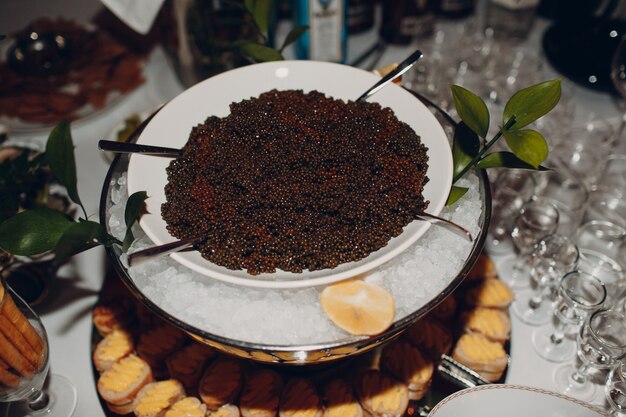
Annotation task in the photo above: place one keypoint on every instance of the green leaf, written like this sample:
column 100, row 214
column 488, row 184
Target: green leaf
column 471, row 109
column 506, row 160
column 78, row 238
column 33, row 232
column 134, row 208
column 60, row 156
column 465, row 147
column 456, row 193
column 293, row 36
column 260, row 53
column 260, row 10
column 528, row 145
column 529, row 104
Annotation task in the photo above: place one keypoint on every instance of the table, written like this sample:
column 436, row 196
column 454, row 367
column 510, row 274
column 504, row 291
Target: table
column 66, row 312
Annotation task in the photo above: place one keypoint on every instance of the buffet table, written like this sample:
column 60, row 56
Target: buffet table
column 66, row 312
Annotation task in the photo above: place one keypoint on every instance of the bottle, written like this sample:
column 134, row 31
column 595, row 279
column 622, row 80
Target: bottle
column 455, row 9
column 360, row 15
column 511, row 18
column 326, row 39
column 405, row 20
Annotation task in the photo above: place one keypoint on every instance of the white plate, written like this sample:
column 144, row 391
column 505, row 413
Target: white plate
column 512, row 401
column 172, row 125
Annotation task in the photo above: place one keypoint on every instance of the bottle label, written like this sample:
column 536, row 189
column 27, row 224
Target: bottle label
column 326, row 27
column 517, row 4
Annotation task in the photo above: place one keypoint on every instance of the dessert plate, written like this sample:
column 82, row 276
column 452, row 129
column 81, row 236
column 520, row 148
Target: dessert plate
column 172, row 125
column 512, row 401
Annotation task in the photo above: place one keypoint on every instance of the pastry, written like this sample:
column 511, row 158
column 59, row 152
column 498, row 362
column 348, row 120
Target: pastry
column 491, row 293
column 260, row 396
column 339, row 400
column 221, row 382
column 482, row 355
column 155, row 398
column 187, row 407
column 430, row 336
column 158, row 343
column 228, row 410
column 300, row 399
column 404, row 361
column 187, row 364
column 494, row 324
column 108, row 317
column 115, row 346
column 119, row 385
column 382, row 395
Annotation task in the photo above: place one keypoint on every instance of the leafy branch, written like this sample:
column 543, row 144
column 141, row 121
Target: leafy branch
column 528, row 147
column 260, row 10
column 39, row 230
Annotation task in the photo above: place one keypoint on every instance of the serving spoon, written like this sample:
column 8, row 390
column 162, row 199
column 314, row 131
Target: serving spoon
column 153, row 252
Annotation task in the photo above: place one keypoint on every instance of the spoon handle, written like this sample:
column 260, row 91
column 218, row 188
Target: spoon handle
column 403, row 67
column 127, row 147
column 152, row 252
column 440, row 221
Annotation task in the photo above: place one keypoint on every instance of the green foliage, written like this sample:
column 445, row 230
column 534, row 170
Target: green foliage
column 33, row 232
column 40, row 230
column 23, row 181
column 260, row 10
column 472, row 110
column 528, row 147
column 60, row 156
column 134, row 208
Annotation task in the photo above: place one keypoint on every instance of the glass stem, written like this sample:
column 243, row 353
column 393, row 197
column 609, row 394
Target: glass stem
column 38, row 400
column 558, row 334
column 580, row 376
column 538, row 295
column 518, row 266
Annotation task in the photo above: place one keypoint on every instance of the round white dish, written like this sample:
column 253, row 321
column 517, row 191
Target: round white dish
column 172, row 125
column 512, row 401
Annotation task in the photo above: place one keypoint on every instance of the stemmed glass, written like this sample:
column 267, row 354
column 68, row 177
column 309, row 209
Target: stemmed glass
column 601, row 342
column 601, row 244
column 536, row 219
column 579, row 295
column 615, row 389
column 511, row 190
column 24, row 363
column 552, row 258
column 568, row 194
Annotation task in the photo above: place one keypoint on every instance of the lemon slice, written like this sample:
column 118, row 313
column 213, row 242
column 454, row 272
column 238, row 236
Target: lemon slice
column 358, row 307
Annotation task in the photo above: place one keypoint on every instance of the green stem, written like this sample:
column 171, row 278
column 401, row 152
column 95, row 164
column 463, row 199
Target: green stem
column 485, row 148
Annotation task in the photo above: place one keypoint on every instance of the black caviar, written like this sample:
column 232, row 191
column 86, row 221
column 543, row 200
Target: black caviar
column 296, row 181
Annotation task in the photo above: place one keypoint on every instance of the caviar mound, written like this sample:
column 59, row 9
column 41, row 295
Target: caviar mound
column 296, row 181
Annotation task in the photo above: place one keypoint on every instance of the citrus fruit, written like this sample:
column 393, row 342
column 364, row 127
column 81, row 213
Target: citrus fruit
column 358, row 307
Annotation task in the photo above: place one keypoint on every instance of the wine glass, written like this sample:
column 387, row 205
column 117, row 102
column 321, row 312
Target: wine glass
column 601, row 342
column 24, row 363
column 552, row 258
column 601, row 244
column 568, row 194
column 512, row 189
column 536, row 219
column 615, row 389
column 579, row 295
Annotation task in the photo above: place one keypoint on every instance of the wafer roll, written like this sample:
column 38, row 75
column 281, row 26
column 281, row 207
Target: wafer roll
column 15, row 359
column 15, row 316
column 19, row 341
column 7, row 378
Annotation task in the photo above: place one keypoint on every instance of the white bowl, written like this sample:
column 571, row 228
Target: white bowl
column 172, row 125
column 512, row 401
